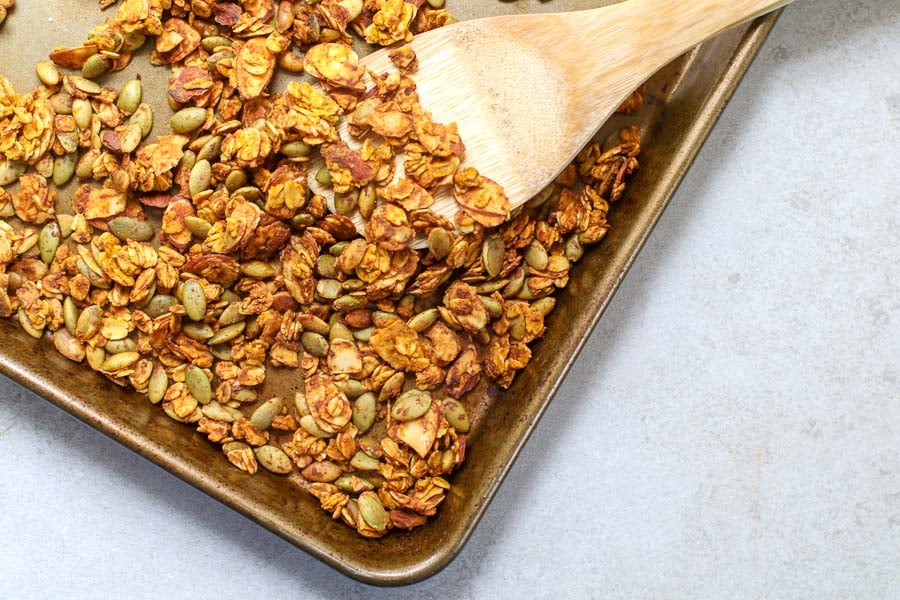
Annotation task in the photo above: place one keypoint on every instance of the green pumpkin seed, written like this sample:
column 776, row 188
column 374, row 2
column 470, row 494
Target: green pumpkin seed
column 130, row 96
column 64, row 168
column 134, row 41
column 88, row 322
column 365, row 409
column 536, row 256
column 158, row 384
column 423, row 320
column 70, row 314
column 130, row 138
column 321, row 472
column 364, row 335
column 329, row 289
column 120, row 361
column 95, row 66
column 143, row 116
column 231, row 314
column 295, row 149
column 315, row 324
column 456, row 415
column 30, row 329
column 221, row 351
column 217, row 412
column 439, row 242
column 353, row 484
column 194, row 299
column 188, row 119
column 198, row 331
column 314, row 343
column 235, row 180
column 323, row 176
column 67, row 345
column 253, row 328
column 339, row 331
column 515, row 284
column 411, row 404
column 300, row 403
column 198, row 384
column 201, row 175
column 258, row 269
column 308, row 423
column 197, row 226
column 492, row 253
column 210, row 150
column 10, row 171
column 249, row 193
column 266, row 412
column 86, row 85
column 348, row 303
column 129, row 228
column 47, row 73
column 574, row 250
column 372, row 511
column 273, row 459
column 95, row 357
column 493, row 307
column 352, row 388
column 61, row 103
column 48, row 241
column 215, row 41
column 392, row 387
column 119, row 346
column 367, row 201
column 364, row 462
column 345, row 204
column 226, row 334
column 545, row 305
column 436, row 3
column 82, row 112
column 160, row 305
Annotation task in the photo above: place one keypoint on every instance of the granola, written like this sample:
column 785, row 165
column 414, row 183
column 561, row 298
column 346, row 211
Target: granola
column 192, row 265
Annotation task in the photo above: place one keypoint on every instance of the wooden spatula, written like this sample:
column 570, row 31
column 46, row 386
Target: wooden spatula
column 529, row 91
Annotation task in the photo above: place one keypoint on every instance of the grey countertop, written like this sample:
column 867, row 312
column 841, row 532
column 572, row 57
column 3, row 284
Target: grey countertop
column 732, row 429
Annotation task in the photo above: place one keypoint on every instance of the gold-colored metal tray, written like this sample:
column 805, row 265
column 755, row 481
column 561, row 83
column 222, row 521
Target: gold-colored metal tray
column 682, row 104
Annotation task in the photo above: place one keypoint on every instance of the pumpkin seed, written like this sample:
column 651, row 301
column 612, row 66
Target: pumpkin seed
column 411, row 405
column 143, row 116
column 130, row 96
column 10, row 171
column 226, row 334
column 67, row 345
column 48, row 241
column 28, row 327
column 323, row 176
column 372, row 511
column 266, row 412
column 364, row 335
column 392, row 387
column 273, row 459
column 198, row 384
column 352, row 484
column 215, row 41
column 364, row 462
column 86, row 85
column 130, row 138
column 82, row 112
column 345, row 204
column 194, row 299
column 133, row 41
column 296, row 149
column 492, row 253
column 61, row 103
column 493, row 307
column 119, row 346
column 352, row 388
column 158, row 384
column 574, row 250
column 64, row 168
column 314, row 343
column 235, row 180
column 367, row 200
column 47, row 73
column 308, row 423
column 300, row 403
column 159, row 305
column 88, row 322
column 201, row 175
column 339, row 331
column 545, row 305
column 70, row 314
column 129, row 228
column 423, row 320
column 536, row 256
column 439, row 242
column 221, row 351
column 216, row 411
column 322, row 472
column 348, row 303
column 95, row 66
column 120, row 361
column 315, row 324
column 198, row 331
column 436, row 3
column 187, row 119
column 515, row 284
column 197, row 226
column 210, row 150
column 258, row 269
column 456, row 415
column 95, row 356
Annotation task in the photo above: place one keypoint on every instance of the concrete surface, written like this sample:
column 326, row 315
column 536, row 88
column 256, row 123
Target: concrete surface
column 731, row 431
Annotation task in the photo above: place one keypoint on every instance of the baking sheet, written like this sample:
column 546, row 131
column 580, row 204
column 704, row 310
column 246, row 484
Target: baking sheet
column 683, row 102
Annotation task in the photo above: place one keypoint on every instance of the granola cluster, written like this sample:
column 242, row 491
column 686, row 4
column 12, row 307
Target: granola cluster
column 250, row 270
